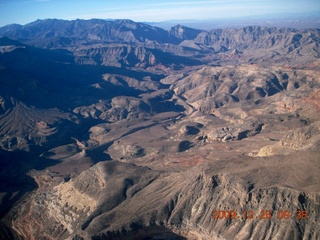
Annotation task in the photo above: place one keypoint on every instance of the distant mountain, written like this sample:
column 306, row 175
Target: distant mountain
column 4, row 41
column 306, row 20
column 184, row 33
column 121, row 130
column 52, row 33
column 124, row 43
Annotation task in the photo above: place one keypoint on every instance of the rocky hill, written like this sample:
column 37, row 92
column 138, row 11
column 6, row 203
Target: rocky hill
column 53, row 33
column 120, row 130
column 127, row 43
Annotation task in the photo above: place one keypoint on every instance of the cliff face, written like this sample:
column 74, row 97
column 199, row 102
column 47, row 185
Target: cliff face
column 119, row 130
column 306, row 138
column 141, row 45
column 119, row 200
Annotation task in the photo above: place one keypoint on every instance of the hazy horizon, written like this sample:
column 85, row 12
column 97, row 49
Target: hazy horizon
column 26, row 11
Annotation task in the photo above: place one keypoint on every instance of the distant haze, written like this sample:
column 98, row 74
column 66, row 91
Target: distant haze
column 297, row 21
column 25, row 11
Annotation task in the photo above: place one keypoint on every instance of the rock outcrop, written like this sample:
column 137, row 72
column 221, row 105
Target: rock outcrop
column 117, row 200
column 121, row 130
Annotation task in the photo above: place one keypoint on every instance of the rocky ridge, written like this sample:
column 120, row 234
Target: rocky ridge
column 120, row 130
column 137, row 44
column 89, row 205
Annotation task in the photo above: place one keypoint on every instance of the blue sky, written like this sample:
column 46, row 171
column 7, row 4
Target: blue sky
column 25, row 11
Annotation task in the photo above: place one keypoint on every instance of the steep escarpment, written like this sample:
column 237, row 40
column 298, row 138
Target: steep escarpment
column 141, row 45
column 116, row 200
column 307, row 138
column 120, row 130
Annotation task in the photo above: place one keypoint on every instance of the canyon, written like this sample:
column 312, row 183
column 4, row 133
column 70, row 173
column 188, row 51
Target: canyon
column 123, row 130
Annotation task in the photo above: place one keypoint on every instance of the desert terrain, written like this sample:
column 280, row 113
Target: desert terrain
column 123, row 130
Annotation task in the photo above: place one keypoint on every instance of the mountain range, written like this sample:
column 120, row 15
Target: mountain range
column 133, row 44
column 113, row 129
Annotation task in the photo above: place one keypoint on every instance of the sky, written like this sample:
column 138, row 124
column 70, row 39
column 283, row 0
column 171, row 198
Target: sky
column 25, row 11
